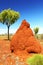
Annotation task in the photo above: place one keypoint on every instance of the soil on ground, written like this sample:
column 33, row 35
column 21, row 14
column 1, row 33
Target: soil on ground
column 8, row 58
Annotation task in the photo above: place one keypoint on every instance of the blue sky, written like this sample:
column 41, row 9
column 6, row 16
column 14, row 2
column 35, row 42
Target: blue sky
column 31, row 10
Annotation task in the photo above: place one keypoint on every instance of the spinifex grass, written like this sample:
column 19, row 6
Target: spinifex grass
column 36, row 59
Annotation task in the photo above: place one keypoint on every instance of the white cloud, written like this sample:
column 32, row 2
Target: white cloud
column 13, row 30
column 40, row 30
column 4, row 31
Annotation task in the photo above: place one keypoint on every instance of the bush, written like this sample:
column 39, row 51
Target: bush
column 36, row 30
column 35, row 60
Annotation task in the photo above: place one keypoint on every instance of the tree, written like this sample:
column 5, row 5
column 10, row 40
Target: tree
column 9, row 17
column 36, row 30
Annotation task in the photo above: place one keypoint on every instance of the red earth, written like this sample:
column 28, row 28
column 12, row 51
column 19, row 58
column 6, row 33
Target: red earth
column 8, row 58
column 24, row 39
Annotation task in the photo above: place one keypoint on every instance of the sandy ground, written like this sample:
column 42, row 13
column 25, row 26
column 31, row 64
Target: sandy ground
column 8, row 58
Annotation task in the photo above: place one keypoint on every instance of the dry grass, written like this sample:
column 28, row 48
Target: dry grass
column 4, row 37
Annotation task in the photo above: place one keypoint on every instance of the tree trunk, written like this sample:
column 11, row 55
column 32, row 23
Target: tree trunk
column 8, row 33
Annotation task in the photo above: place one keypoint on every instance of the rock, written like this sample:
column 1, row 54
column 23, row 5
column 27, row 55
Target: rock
column 24, row 39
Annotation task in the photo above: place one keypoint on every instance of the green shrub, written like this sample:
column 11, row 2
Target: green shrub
column 36, row 59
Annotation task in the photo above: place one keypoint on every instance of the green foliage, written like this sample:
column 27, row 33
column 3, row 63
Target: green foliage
column 36, row 30
column 9, row 16
column 0, row 18
column 35, row 60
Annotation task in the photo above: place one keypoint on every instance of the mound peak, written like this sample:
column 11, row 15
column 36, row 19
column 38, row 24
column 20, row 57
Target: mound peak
column 24, row 39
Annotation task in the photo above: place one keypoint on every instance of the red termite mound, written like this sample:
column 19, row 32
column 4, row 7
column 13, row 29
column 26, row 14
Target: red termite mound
column 24, row 39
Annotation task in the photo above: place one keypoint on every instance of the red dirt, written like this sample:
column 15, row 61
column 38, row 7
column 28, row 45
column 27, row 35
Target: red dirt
column 24, row 39
column 8, row 58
